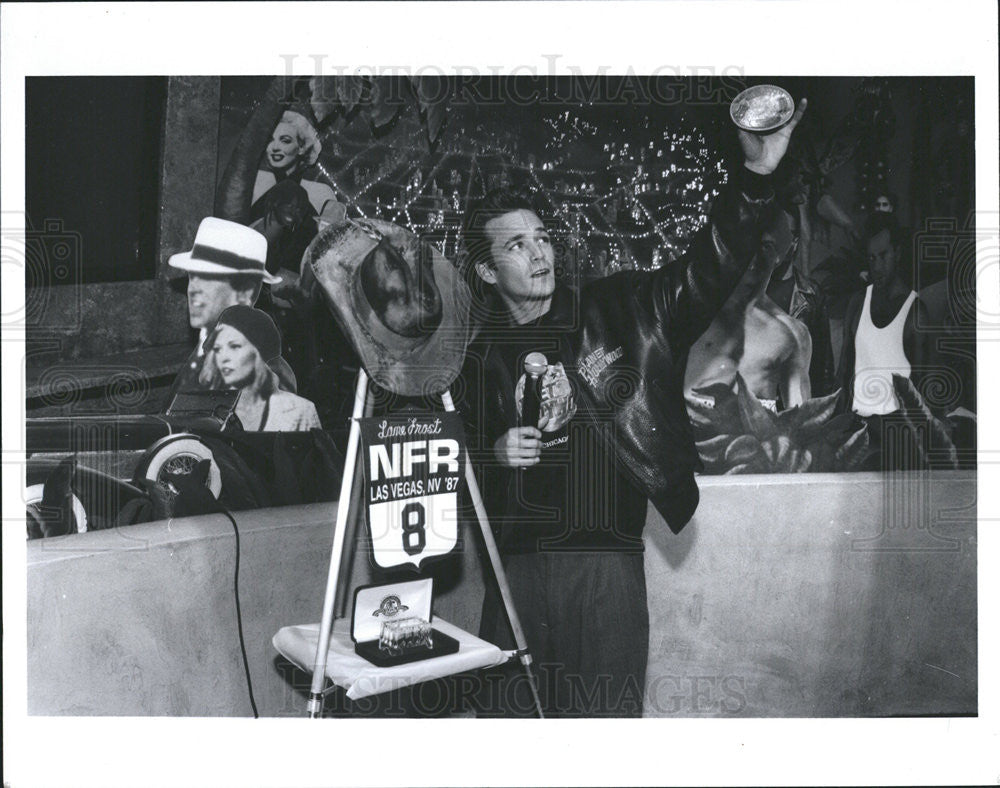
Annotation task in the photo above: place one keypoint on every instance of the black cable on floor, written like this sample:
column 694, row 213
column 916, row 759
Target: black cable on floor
column 239, row 614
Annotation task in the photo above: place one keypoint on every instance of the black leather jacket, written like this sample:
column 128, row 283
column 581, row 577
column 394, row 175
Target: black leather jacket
column 625, row 346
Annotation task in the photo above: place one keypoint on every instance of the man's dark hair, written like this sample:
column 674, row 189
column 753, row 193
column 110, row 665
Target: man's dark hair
column 486, row 307
column 899, row 237
column 478, row 213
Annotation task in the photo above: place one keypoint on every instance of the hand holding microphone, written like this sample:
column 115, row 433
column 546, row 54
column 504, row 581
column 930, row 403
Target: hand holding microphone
column 521, row 446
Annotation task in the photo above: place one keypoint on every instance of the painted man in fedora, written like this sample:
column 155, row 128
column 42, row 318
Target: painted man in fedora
column 225, row 267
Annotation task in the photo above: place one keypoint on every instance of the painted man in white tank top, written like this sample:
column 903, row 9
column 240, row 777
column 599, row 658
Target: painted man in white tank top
column 881, row 335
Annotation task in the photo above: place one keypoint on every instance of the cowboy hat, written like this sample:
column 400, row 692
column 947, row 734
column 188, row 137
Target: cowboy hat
column 225, row 248
column 333, row 212
column 401, row 303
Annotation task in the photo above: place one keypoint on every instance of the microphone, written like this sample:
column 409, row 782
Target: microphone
column 535, row 365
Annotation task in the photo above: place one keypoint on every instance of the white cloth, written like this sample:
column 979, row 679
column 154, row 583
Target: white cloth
column 878, row 353
column 361, row 678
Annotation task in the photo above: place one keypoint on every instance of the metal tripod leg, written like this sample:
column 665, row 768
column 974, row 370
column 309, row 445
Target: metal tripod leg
column 355, row 516
column 524, row 655
column 315, row 705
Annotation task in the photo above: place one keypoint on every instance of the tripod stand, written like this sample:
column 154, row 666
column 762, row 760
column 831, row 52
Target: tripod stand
column 349, row 510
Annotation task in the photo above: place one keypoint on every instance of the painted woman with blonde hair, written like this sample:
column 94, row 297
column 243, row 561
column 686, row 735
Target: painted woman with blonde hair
column 294, row 147
column 243, row 342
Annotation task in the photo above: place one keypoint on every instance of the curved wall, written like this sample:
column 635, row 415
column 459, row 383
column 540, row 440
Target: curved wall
column 817, row 595
column 813, row 595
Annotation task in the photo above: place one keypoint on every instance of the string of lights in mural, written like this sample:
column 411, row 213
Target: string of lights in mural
column 642, row 194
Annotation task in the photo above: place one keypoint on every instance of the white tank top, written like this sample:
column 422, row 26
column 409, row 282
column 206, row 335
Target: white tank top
column 878, row 352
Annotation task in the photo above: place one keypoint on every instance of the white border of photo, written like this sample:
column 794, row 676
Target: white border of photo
column 763, row 37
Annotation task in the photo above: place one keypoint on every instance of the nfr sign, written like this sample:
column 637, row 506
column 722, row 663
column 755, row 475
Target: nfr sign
column 413, row 469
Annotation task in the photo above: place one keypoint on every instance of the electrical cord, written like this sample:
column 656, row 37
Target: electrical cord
column 239, row 614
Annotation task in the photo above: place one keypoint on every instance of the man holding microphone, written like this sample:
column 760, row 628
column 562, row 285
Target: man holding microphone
column 568, row 492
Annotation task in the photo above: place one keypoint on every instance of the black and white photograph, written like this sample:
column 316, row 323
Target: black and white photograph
column 398, row 362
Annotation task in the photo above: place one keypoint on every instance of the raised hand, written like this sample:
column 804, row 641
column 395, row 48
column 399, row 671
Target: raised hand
column 763, row 152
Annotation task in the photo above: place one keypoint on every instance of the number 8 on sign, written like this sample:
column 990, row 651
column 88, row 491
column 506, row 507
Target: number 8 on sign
column 411, row 530
column 413, row 526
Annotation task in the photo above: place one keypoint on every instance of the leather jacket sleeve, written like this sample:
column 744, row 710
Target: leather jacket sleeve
column 689, row 291
column 821, row 367
column 845, row 373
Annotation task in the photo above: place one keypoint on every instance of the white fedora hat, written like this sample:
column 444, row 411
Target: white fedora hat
column 225, row 248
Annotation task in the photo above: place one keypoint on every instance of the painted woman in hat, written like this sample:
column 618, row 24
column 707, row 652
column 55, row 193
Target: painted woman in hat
column 294, row 147
column 243, row 342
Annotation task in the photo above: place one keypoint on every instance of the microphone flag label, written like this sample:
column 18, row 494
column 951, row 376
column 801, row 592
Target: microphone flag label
column 413, row 468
